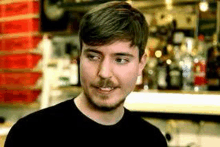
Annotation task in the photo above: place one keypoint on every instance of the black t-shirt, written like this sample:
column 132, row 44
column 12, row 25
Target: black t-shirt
column 63, row 125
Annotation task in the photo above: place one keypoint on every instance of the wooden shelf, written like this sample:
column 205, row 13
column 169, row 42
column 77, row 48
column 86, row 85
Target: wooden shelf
column 31, row 51
column 19, row 17
column 174, row 102
column 12, row 1
column 21, row 70
column 181, row 92
column 24, row 34
column 16, row 35
column 32, row 105
column 20, row 87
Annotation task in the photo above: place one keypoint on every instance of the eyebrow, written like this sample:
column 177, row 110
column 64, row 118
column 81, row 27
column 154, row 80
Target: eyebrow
column 92, row 50
column 115, row 54
column 124, row 54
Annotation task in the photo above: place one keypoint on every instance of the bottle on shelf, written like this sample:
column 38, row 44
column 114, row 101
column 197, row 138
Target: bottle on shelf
column 162, row 83
column 174, row 76
column 64, row 71
column 150, row 74
column 186, row 63
column 213, row 68
column 199, row 66
column 162, row 70
column 218, row 68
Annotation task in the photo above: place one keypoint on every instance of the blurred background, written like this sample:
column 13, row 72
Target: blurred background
column 179, row 90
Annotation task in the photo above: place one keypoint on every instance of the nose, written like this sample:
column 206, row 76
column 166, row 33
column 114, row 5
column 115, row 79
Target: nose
column 105, row 69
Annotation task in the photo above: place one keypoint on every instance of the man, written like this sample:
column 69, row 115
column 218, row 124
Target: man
column 113, row 38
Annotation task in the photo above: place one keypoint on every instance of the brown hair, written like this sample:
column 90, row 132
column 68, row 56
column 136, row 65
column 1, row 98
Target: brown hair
column 113, row 21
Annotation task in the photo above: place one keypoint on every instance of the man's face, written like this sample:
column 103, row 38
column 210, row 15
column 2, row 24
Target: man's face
column 109, row 73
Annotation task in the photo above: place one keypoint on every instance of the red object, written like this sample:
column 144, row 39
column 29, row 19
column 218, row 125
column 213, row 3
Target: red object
column 1, row 27
column 19, row 78
column 19, row 61
column 2, row 62
column 200, row 73
column 19, row 96
column 2, row 80
column 151, row 52
column 2, row 95
column 1, row 10
column 20, row 8
column 20, row 43
column 1, row 45
column 201, row 37
column 199, row 80
column 21, row 26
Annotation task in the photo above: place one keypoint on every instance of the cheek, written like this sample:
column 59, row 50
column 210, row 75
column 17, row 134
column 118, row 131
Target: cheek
column 86, row 72
column 128, row 75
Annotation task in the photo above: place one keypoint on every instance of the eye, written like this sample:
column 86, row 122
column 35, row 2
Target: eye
column 93, row 57
column 122, row 60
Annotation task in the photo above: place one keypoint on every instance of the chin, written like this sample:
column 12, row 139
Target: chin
column 105, row 104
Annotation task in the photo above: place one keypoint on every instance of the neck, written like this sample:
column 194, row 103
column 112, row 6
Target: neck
column 97, row 115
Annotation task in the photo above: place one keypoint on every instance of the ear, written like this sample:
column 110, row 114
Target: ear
column 142, row 64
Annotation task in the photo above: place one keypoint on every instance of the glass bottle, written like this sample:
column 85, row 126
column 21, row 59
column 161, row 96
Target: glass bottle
column 186, row 63
column 175, row 76
column 213, row 69
column 199, row 66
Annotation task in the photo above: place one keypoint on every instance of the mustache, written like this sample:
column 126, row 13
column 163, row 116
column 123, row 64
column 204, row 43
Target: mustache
column 104, row 83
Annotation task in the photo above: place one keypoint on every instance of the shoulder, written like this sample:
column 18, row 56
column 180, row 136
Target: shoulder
column 149, row 130
column 138, row 121
column 54, row 113
column 43, row 123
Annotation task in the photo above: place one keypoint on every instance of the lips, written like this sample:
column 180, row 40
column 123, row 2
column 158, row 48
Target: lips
column 104, row 86
column 108, row 89
column 105, row 90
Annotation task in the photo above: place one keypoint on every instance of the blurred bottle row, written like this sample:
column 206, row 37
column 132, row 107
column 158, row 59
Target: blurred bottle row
column 179, row 61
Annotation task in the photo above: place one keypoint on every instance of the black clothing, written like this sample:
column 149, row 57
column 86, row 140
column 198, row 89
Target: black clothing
column 64, row 125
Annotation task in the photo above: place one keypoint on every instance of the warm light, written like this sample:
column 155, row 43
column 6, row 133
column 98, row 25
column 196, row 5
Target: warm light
column 169, row 4
column 158, row 54
column 169, row 61
column 129, row 1
column 196, row 60
column 168, row 1
column 181, row 63
column 169, row 18
column 215, row 39
column 146, row 87
column 190, row 44
column 169, row 47
column 204, row 6
column 183, row 47
column 196, row 88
